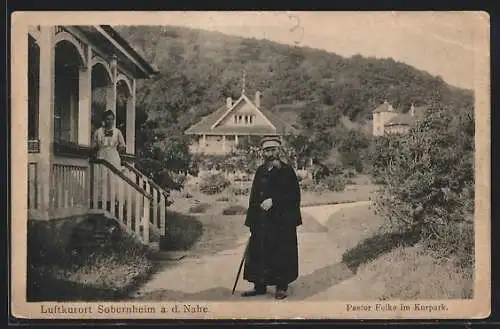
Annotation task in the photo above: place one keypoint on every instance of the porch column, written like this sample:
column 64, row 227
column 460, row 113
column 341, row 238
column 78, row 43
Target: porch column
column 204, row 140
column 111, row 92
column 46, row 125
column 224, row 142
column 84, row 106
column 235, row 139
column 111, row 97
column 131, row 121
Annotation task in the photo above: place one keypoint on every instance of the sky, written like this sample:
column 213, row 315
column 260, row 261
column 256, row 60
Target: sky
column 441, row 43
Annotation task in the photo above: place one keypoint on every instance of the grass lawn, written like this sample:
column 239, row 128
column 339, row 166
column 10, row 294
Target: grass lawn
column 362, row 224
column 393, row 265
column 410, row 273
column 216, row 231
column 205, row 233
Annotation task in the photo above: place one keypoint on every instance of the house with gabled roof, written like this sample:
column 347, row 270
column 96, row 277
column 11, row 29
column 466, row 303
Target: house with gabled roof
column 221, row 131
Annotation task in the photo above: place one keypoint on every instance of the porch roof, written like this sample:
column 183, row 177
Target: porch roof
column 110, row 41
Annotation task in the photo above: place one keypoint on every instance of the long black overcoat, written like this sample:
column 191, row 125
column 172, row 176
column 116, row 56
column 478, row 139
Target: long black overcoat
column 272, row 256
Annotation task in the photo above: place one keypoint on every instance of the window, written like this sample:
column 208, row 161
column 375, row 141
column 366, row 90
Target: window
column 243, row 119
column 66, row 92
column 33, row 88
column 66, row 114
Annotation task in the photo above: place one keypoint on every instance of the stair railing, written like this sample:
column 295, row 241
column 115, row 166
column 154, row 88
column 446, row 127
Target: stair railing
column 158, row 196
column 115, row 193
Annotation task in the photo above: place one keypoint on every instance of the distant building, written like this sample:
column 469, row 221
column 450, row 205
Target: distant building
column 220, row 132
column 387, row 120
column 381, row 115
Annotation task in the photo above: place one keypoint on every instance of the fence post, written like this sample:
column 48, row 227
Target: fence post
column 90, row 185
column 145, row 220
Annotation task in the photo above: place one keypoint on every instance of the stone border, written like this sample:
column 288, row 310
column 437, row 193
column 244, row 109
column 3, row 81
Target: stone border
column 331, row 203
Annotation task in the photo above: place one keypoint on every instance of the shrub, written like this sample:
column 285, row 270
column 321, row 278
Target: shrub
column 320, row 187
column 166, row 160
column 332, row 167
column 222, row 199
column 240, row 190
column 213, row 183
column 334, row 183
column 199, row 208
column 456, row 242
column 427, row 176
column 352, row 159
column 235, row 210
column 349, row 173
column 241, row 177
column 351, row 146
column 187, row 195
column 307, row 184
column 183, row 231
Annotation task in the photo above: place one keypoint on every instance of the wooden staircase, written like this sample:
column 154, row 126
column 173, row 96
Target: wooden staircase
column 129, row 197
column 158, row 202
column 95, row 187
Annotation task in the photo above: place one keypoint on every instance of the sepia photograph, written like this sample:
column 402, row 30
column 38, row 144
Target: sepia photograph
column 250, row 165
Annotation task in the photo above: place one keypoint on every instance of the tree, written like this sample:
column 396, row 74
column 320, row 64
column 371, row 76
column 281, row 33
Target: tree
column 352, row 146
column 165, row 159
column 427, row 175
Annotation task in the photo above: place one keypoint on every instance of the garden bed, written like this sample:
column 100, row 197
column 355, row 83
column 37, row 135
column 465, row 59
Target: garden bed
column 352, row 193
column 100, row 273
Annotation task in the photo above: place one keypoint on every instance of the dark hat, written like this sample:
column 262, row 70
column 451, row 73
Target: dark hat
column 270, row 142
column 107, row 113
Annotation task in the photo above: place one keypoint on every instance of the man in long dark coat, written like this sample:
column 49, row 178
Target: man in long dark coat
column 273, row 216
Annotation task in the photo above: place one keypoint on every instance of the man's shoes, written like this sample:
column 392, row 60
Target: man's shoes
column 281, row 294
column 254, row 292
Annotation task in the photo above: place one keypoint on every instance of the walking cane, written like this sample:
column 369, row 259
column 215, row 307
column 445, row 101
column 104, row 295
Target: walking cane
column 241, row 266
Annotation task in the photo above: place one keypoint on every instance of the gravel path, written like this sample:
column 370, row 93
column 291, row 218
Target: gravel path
column 211, row 278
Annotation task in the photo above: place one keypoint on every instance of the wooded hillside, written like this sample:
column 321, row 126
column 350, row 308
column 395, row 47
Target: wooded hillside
column 199, row 69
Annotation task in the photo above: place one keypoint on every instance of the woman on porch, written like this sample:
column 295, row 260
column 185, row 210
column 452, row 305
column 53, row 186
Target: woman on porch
column 108, row 141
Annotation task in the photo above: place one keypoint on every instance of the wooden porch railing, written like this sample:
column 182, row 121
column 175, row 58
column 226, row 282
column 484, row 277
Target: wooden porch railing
column 113, row 192
column 80, row 187
column 70, row 187
column 158, row 196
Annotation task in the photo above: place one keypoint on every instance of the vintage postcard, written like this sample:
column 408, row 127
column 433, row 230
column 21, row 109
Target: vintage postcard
column 250, row 165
